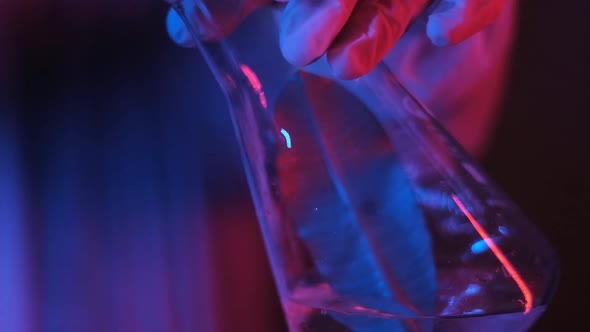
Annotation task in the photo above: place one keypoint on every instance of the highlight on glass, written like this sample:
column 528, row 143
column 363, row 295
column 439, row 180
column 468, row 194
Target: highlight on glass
column 373, row 216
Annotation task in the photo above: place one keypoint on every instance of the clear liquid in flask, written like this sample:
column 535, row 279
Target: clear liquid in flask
column 374, row 218
column 375, row 245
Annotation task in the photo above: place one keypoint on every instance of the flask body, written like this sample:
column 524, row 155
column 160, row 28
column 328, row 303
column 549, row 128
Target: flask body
column 373, row 216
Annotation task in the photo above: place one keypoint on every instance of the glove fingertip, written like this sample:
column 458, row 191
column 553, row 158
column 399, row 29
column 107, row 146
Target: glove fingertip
column 297, row 47
column 293, row 52
column 440, row 30
column 437, row 36
column 177, row 30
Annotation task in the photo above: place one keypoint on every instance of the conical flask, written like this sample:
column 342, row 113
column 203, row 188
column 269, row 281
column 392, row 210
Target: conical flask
column 374, row 218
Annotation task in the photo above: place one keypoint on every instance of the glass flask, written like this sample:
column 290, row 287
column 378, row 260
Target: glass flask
column 374, row 218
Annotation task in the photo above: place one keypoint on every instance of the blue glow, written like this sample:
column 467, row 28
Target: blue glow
column 503, row 230
column 14, row 290
column 479, row 247
column 472, row 289
column 475, row 311
column 287, row 137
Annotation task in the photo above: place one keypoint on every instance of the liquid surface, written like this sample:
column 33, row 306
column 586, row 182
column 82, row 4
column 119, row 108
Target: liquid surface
column 306, row 314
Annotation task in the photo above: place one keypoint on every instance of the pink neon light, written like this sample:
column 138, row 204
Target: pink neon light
column 528, row 295
column 255, row 82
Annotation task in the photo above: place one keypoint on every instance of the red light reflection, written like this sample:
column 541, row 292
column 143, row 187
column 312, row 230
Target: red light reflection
column 528, row 296
column 255, row 82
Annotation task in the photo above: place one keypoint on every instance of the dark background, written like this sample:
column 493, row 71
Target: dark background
column 88, row 66
column 541, row 153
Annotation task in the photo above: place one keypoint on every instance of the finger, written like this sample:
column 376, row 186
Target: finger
column 308, row 27
column 211, row 19
column 453, row 21
column 177, row 30
column 372, row 30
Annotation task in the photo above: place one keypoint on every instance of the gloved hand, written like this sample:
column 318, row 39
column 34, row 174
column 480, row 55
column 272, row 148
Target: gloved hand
column 355, row 35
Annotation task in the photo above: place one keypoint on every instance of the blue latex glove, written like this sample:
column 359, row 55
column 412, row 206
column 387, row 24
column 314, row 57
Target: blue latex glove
column 354, row 34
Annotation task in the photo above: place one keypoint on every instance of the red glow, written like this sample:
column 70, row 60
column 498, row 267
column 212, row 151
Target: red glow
column 255, row 82
column 528, row 296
